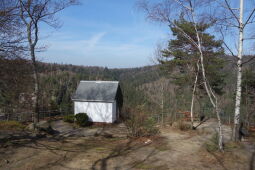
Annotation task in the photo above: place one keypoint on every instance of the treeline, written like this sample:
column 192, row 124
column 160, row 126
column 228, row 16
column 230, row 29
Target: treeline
column 58, row 83
column 148, row 88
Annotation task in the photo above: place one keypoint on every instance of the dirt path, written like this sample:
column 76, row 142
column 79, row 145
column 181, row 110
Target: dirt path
column 173, row 150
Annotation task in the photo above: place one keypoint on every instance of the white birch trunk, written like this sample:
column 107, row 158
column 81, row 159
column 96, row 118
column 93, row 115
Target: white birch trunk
column 162, row 103
column 214, row 102
column 193, row 98
column 210, row 93
column 239, row 75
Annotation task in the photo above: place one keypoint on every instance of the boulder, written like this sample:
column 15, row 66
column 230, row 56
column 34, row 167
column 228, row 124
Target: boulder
column 43, row 126
column 181, row 125
column 206, row 130
column 30, row 126
column 175, row 125
column 40, row 125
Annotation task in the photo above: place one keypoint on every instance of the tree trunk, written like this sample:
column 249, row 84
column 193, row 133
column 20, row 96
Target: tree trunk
column 238, row 103
column 36, row 85
column 162, row 103
column 239, row 76
column 220, row 135
column 210, row 93
column 246, row 108
column 192, row 104
column 193, row 98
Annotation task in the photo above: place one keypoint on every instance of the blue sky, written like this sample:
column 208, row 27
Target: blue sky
column 108, row 33
column 112, row 33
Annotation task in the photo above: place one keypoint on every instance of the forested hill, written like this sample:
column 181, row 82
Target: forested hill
column 102, row 73
column 58, row 82
column 147, row 88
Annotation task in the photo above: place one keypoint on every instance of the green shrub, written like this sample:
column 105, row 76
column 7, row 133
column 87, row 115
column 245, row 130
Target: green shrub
column 11, row 125
column 140, row 124
column 229, row 146
column 212, row 144
column 149, row 127
column 69, row 118
column 82, row 119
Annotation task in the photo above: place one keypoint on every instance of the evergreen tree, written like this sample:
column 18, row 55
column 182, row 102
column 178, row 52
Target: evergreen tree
column 181, row 55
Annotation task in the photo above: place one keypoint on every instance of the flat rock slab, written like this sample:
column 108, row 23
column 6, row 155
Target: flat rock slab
column 69, row 130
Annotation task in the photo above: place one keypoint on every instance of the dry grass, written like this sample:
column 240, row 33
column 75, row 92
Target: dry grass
column 172, row 149
column 212, row 144
column 148, row 165
column 11, row 125
column 182, row 125
column 230, row 146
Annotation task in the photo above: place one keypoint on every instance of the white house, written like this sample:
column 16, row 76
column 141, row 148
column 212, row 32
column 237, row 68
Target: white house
column 101, row 100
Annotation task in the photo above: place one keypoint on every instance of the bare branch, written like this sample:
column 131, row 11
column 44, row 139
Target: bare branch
column 231, row 10
column 32, row 13
column 250, row 59
column 225, row 44
column 247, row 21
column 161, row 13
column 181, row 3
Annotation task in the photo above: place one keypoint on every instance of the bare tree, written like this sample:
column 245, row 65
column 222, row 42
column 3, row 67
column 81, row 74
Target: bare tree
column 232, row 17
column 166, row 12
column 11, row 34
column 33, row 13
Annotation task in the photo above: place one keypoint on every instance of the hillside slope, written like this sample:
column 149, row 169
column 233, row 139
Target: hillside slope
column 148, row 88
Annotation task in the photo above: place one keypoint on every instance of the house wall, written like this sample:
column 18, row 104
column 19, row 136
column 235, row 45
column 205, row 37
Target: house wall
column 97, row 111
column 114, row 111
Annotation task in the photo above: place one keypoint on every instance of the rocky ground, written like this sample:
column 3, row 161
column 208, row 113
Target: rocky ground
column 108, row 148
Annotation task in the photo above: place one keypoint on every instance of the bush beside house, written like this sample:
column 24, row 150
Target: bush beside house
column 82, row 119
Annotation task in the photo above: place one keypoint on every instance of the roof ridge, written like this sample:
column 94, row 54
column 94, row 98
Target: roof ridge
column 99, row 81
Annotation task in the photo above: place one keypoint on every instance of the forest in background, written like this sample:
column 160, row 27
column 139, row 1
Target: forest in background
column 150, row 89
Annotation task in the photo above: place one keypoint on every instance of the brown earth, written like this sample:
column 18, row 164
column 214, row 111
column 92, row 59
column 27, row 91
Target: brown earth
column 87, row 149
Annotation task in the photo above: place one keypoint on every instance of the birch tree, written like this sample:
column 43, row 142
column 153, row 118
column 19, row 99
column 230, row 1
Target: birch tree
column 166, row 12
column 33, row 13
column 229, row 18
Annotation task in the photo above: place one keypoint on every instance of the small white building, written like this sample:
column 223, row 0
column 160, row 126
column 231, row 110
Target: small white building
column 101, row 100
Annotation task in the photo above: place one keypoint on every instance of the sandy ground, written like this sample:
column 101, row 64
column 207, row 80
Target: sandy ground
column 87, row 149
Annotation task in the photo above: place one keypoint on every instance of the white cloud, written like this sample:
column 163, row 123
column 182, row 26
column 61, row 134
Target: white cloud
column 74, row 45
column 113, row 47
column 94, row 51
column 92, row 42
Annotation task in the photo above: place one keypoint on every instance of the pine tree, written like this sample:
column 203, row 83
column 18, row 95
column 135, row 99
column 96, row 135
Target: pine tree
column 181, row 55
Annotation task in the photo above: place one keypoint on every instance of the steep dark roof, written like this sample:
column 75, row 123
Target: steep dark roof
column 96, row 91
